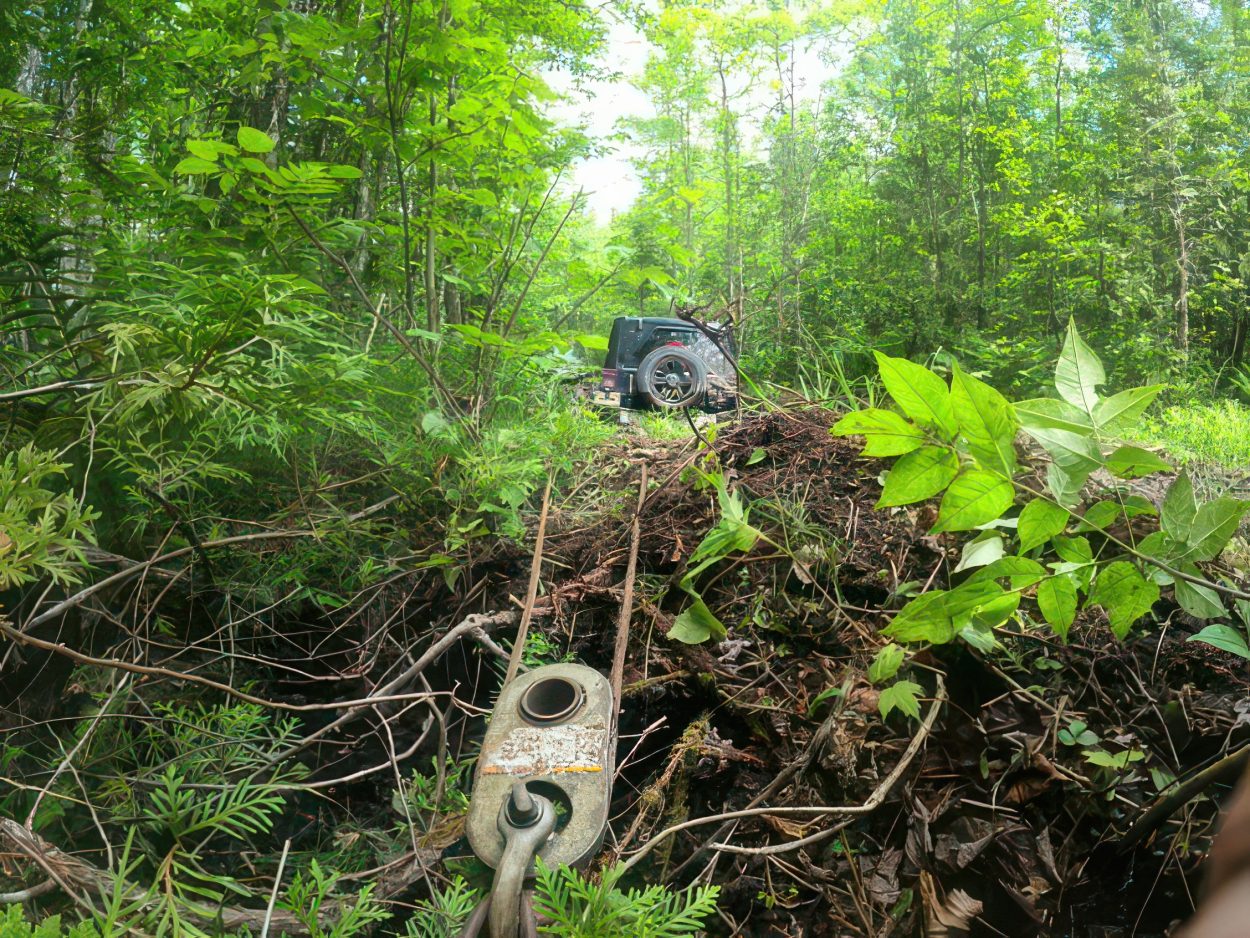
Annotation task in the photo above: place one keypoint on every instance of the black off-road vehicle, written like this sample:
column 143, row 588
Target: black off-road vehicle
column 667, row 363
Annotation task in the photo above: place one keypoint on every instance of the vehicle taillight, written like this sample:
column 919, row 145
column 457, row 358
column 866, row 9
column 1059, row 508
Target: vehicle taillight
column 609, row 379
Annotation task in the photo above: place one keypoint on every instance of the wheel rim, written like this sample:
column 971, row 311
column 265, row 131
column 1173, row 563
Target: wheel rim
column 672, row 380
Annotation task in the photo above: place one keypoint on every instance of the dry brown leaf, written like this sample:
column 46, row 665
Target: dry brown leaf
column 950, row 917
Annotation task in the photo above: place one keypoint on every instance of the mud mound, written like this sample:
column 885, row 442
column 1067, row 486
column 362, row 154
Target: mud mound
column 1010, row 815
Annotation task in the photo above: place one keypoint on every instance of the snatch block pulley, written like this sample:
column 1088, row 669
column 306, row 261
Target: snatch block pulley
column 544, row 781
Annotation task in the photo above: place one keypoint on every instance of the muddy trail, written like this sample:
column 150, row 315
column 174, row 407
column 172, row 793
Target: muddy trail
column 1018, row 802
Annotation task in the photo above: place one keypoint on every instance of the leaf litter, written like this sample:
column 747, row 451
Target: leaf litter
column 1012, row 819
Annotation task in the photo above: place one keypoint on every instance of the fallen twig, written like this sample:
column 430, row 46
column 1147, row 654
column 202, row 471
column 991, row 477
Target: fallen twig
column 1172, row 798
column 874, row 800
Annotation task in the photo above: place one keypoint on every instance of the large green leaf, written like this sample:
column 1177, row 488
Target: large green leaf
column 1078, row 372
column 1120, row 412
column 975, row 498
column 919, row 392
column 1039, row 522
column 195, row 166
column 1074, row 452
column 254, row 141
column 918, row 476
column 697, row 624
column 938, row 615
column 1020, row 572
column 885, row 433
column 1224, row 637
column 1133, row 462
column 1214, row 523
column 1199, row 601
column 1179, row 509
column 987, row 421
column 1047, row 412
column 1056, row 598
column 1125, row 594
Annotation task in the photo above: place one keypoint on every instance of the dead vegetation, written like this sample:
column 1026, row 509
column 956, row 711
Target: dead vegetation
column 1023, row 811
column 1035, row 794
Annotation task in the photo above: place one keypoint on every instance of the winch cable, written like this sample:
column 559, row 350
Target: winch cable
column 617, row 675
column 531, row 592
column 508, row 908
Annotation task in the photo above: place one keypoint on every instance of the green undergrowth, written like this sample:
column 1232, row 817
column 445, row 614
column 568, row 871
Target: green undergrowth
column 1212, row 432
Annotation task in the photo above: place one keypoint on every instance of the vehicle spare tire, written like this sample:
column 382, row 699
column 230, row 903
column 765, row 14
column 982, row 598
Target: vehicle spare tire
column 672, row 376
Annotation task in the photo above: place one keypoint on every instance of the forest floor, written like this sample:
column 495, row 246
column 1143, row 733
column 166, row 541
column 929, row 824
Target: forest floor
column 1040, row 788
column 1020, row 797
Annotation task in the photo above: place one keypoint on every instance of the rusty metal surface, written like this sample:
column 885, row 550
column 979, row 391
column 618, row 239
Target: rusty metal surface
column 572, row 761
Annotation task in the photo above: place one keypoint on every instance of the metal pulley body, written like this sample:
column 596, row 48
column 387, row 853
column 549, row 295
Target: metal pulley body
column 552, row 729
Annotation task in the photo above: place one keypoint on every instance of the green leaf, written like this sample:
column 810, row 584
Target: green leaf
column 938, row 615
column 195, row 166
column 1020, row 572
column 1214, row 524
column 1078, row 372
column 1106, row 760
column 1046, row 412
column 254, row 141
column 987, row 421
column 1077, row 558
column 975, row 498
column 1125, row 594
column 1101, row 515
column 1039, row 522
column 1120, row 412
column 886, row 664
column 903, row 696
column 697, row 624
column 993, row 613
column 1179, row 509
column 1223, row 637
column 919, row 392
column 982, row 550
column 204, row 149
column 1073, row 452
column 1133, row 462
column 342, row 171
column 885, row 432
column 1199, row 601
column 924, row 619
column 253, row 165
column 592, row 342
column 919, row 475
column 1077, row 734
column 1056, row 599
column 827, row 694
column 1066, row 485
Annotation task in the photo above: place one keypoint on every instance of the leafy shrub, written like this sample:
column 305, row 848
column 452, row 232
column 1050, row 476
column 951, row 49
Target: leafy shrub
column 1216, row 432
column 41, row 533
column 1057, row 550
column 579, row 908
column 13, row 924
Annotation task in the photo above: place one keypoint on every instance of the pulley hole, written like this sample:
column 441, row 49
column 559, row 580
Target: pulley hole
column 558, row 797
column 551, row 700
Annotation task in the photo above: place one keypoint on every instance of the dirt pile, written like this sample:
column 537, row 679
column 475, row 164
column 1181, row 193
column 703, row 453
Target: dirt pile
column 1019, row 808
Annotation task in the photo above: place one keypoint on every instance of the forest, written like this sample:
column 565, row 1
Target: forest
column 311, row 463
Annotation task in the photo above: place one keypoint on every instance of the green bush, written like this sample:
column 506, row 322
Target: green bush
column 13, row 924
column 1214, row 432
